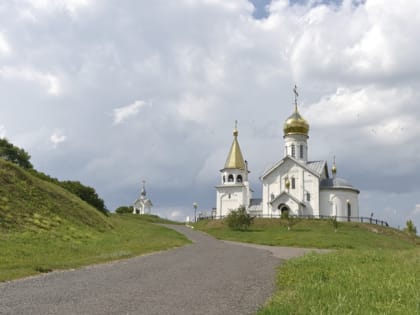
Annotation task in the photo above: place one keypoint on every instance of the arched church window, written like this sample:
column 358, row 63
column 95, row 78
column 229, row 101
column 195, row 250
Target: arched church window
column 301, row 151
column 224, row 178
column 293, row 183
column 239, row 179
column 230, row 178
column 272, row 196
column 348, row 210
column 308, row 196
column 293, row 151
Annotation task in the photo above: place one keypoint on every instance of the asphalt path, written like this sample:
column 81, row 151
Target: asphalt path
column 205, row 277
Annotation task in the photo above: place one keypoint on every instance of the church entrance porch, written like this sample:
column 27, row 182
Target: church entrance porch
column 286, row 202
column 283, row 208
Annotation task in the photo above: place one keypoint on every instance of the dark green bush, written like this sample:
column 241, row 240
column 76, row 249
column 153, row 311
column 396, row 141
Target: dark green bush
column 124, row 209
column 16, row 155
column 239, row 219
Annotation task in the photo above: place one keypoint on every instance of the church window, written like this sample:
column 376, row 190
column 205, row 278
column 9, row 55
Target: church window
column 230, row 178
column 293, row 151
column 348, row 210
column 224, row 178
column 293, row 183
column 301, row 151
column 239, row 179
column 308, row 196
column 229, row 196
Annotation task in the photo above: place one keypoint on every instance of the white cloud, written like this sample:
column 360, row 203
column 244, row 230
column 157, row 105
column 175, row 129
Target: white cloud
column 5, row 48
column 416, row 211
column 121, row 114
column 48, row 81
column 57, row 137
column 348, row 43
column 2, row 131
column 72, row 6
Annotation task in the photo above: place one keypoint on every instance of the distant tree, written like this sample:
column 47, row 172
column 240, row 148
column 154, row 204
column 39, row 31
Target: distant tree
column 124, row 209
column 410, row 228
column 85, row 193
column 44, row 176
column 239, row 219
column 14, row 154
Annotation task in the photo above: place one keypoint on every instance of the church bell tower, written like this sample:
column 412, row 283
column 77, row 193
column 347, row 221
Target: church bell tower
column 233, row 191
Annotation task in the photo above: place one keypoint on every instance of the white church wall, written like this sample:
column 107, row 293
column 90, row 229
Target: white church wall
column 271, row 187
column 334, row 202
column 311, row 186
column 327, row 204
column 298, row 174
column 230, row 198
column 305, row 182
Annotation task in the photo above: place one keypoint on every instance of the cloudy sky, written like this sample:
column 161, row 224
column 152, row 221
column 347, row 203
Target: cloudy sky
column 114, row 92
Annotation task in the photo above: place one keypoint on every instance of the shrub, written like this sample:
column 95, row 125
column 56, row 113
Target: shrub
column 334, row 223
column 124, row 209
column 410, row 228
column 239, row 219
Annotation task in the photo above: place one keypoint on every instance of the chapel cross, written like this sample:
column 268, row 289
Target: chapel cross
column 296, row 94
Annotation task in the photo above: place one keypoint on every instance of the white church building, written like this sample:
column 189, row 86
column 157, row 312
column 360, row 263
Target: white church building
column 142, row 205
column 293, row 184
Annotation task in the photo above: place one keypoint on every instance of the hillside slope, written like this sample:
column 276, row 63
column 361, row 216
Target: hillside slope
column 29, row 203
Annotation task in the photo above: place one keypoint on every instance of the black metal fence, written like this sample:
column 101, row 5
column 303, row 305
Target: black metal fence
column 369, row 220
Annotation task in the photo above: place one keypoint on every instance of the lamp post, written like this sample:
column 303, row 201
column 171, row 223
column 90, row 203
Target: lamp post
column 195, row 206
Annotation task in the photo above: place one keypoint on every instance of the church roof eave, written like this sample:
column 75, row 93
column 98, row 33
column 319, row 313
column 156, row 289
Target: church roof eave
column 337, row 183
column 288, row 195
column 340, row 188
column 305, row 166
column 230, row 185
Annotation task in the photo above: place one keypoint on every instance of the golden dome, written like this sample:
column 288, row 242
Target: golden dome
column 295, row 124
column 334, row 168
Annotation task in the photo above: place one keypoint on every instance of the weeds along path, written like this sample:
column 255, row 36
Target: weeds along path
column 206, row 277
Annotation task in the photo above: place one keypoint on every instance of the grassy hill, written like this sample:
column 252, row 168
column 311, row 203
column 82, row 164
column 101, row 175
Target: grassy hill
column 29, row 203
column 44, row 227
column 370, row 270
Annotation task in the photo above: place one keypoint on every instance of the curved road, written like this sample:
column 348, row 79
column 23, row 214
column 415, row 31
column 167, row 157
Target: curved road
column 206, row 277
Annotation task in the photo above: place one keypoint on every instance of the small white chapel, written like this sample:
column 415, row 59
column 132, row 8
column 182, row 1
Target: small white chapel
column 294, row 184
column 142, row 205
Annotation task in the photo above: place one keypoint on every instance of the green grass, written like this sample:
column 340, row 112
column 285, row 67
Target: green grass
column 312, row 234
column 349, row 282
column 29, row 203
column 374, row 270
column 44, row 227
column 31, row 252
